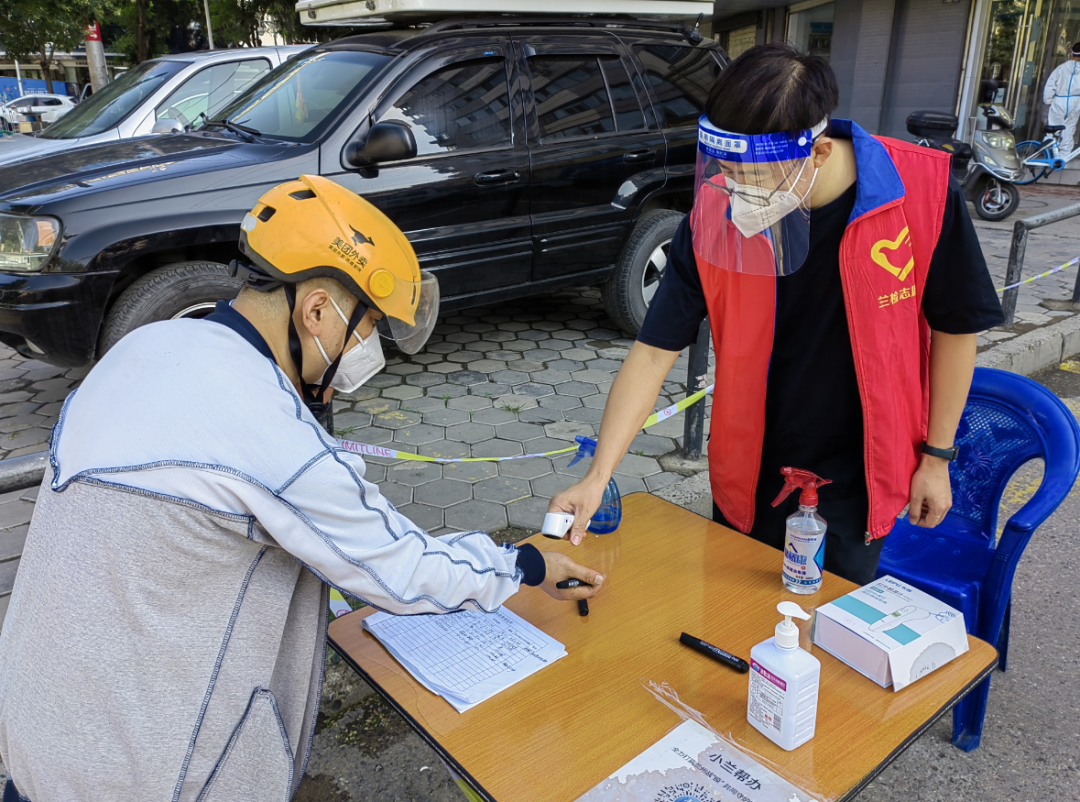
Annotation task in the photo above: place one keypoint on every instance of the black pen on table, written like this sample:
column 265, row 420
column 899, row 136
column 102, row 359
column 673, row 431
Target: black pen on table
column 566, row 584
column 707, row 649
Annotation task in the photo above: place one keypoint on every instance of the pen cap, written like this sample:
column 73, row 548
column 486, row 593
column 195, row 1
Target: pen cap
column 787, row 634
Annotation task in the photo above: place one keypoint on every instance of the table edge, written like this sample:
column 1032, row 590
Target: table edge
column 907, row 742
column 846, row 797
column 416, row 726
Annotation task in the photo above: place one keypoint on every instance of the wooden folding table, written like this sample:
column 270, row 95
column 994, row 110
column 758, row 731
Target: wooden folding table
column 556, row 734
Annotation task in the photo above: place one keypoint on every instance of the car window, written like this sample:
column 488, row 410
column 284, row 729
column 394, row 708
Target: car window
column 465, row 105
column 628, row 114
column 298, row 100
column 571, row 97
column 680, row 78
column 52, row 101
column 111, row 105
column 209, row 89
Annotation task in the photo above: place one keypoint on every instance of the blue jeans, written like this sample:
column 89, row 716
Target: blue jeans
column 11, row 793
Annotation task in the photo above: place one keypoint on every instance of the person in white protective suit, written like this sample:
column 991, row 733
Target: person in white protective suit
column 1062, row 94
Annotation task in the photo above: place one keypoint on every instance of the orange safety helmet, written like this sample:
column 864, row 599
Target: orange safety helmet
column 316, row 228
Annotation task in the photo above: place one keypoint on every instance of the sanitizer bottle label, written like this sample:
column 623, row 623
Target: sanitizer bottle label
column 767, row 693
column 804, row 556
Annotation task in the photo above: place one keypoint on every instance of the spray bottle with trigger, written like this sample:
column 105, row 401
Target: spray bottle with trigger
column 804, row 544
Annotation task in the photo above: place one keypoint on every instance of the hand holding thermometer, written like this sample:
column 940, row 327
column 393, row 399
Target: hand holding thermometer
column 557, row 524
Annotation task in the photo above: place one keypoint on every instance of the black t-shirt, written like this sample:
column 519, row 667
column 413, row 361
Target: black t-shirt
column 813, row 412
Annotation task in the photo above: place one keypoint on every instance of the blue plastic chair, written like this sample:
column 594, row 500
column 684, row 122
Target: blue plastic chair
column 1008, row 421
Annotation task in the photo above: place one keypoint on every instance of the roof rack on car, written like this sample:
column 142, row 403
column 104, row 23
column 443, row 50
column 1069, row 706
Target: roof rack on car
column 692, row 35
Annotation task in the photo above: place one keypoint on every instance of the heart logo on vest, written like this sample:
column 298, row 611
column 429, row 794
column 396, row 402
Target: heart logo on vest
column 896, row 249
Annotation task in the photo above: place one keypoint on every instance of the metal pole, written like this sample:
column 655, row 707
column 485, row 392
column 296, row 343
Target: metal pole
column 22, row 473
column 1012, row 273
column 95, row 57
column 209, row 29
column 1019, row 246
column 18, row 77
column 696, row 379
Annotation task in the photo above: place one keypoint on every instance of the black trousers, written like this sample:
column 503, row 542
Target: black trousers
column 847, row 553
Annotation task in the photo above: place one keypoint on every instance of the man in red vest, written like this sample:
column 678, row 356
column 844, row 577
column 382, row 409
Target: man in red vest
column 844, row 285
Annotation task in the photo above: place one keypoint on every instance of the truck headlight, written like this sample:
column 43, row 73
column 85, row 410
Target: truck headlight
column 27, row 242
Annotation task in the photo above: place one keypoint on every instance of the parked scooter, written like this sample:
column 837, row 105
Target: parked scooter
column 985, row 170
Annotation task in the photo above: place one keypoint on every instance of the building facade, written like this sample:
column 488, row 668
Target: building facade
column 893, row 57
column 69, row 73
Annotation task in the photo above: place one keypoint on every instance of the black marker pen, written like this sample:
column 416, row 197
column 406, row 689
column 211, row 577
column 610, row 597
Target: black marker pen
column 566, row 584
column 709, row 650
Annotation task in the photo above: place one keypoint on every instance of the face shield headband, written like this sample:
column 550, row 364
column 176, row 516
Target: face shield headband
column 751, row 199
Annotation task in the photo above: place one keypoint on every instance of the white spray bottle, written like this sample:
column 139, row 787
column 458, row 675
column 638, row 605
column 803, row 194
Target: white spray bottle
column 784, row 681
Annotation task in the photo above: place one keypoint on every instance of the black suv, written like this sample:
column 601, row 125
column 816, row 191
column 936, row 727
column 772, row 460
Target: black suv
column 517, row 155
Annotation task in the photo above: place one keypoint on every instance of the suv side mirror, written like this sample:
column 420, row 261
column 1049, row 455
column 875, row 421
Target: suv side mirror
column 167, row 126
column 385, row 142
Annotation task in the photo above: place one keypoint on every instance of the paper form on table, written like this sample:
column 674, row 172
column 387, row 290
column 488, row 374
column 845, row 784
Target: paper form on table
column 465, row 657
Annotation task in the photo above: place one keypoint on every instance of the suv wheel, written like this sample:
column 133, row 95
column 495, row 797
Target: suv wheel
column 184, row 289
column 640, row 268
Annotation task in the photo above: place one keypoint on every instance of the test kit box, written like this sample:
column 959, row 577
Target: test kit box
column 890, row 632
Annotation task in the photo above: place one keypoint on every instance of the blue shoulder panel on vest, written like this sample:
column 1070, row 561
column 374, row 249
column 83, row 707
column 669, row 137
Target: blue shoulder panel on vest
column 877, row 178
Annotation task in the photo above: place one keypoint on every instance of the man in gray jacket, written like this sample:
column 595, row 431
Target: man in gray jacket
column 166, row 634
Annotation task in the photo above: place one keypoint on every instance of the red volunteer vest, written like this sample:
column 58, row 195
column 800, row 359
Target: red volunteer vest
column 885, row 254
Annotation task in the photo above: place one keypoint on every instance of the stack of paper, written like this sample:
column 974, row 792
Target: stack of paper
column 465, row 657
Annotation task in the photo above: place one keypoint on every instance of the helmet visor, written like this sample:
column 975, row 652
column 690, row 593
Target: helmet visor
column 751, row 212
column 410, row 338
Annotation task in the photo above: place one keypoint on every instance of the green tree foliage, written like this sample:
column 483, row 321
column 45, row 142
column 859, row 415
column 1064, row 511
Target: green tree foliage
column 147, row 28
column 35, row 30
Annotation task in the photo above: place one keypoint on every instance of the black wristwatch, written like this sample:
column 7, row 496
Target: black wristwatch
column 944, row 453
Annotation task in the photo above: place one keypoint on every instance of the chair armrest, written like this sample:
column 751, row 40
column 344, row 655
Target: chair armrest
column 1052, row 491
column 1014, row 539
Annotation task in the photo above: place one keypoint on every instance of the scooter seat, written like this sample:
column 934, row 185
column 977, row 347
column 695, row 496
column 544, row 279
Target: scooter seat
column 959, row 150
column 1053, row 129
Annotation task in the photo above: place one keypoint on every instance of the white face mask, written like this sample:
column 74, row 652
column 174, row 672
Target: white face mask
column 358, row 364
column 754, row 209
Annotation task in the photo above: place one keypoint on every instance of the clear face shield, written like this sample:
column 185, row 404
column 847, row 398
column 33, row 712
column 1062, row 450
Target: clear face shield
column 751, row 199
column 411, row 337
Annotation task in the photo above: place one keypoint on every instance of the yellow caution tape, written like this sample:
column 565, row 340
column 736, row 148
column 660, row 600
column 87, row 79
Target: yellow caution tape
column 393, row 453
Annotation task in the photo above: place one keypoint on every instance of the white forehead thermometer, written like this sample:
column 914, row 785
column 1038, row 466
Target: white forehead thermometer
column 557, row 524
column 904, row 614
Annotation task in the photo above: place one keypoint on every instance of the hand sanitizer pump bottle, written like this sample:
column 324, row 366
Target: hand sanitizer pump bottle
column 804, row 543
column 784, row 680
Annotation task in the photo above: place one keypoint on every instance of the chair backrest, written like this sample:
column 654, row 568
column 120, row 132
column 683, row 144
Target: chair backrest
column 1009, row 420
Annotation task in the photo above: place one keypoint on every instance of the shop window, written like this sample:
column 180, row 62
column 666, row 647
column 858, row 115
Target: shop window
column 810, row 29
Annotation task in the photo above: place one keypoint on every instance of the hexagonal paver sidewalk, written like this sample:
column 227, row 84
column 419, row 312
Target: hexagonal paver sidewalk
column 518, row 379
